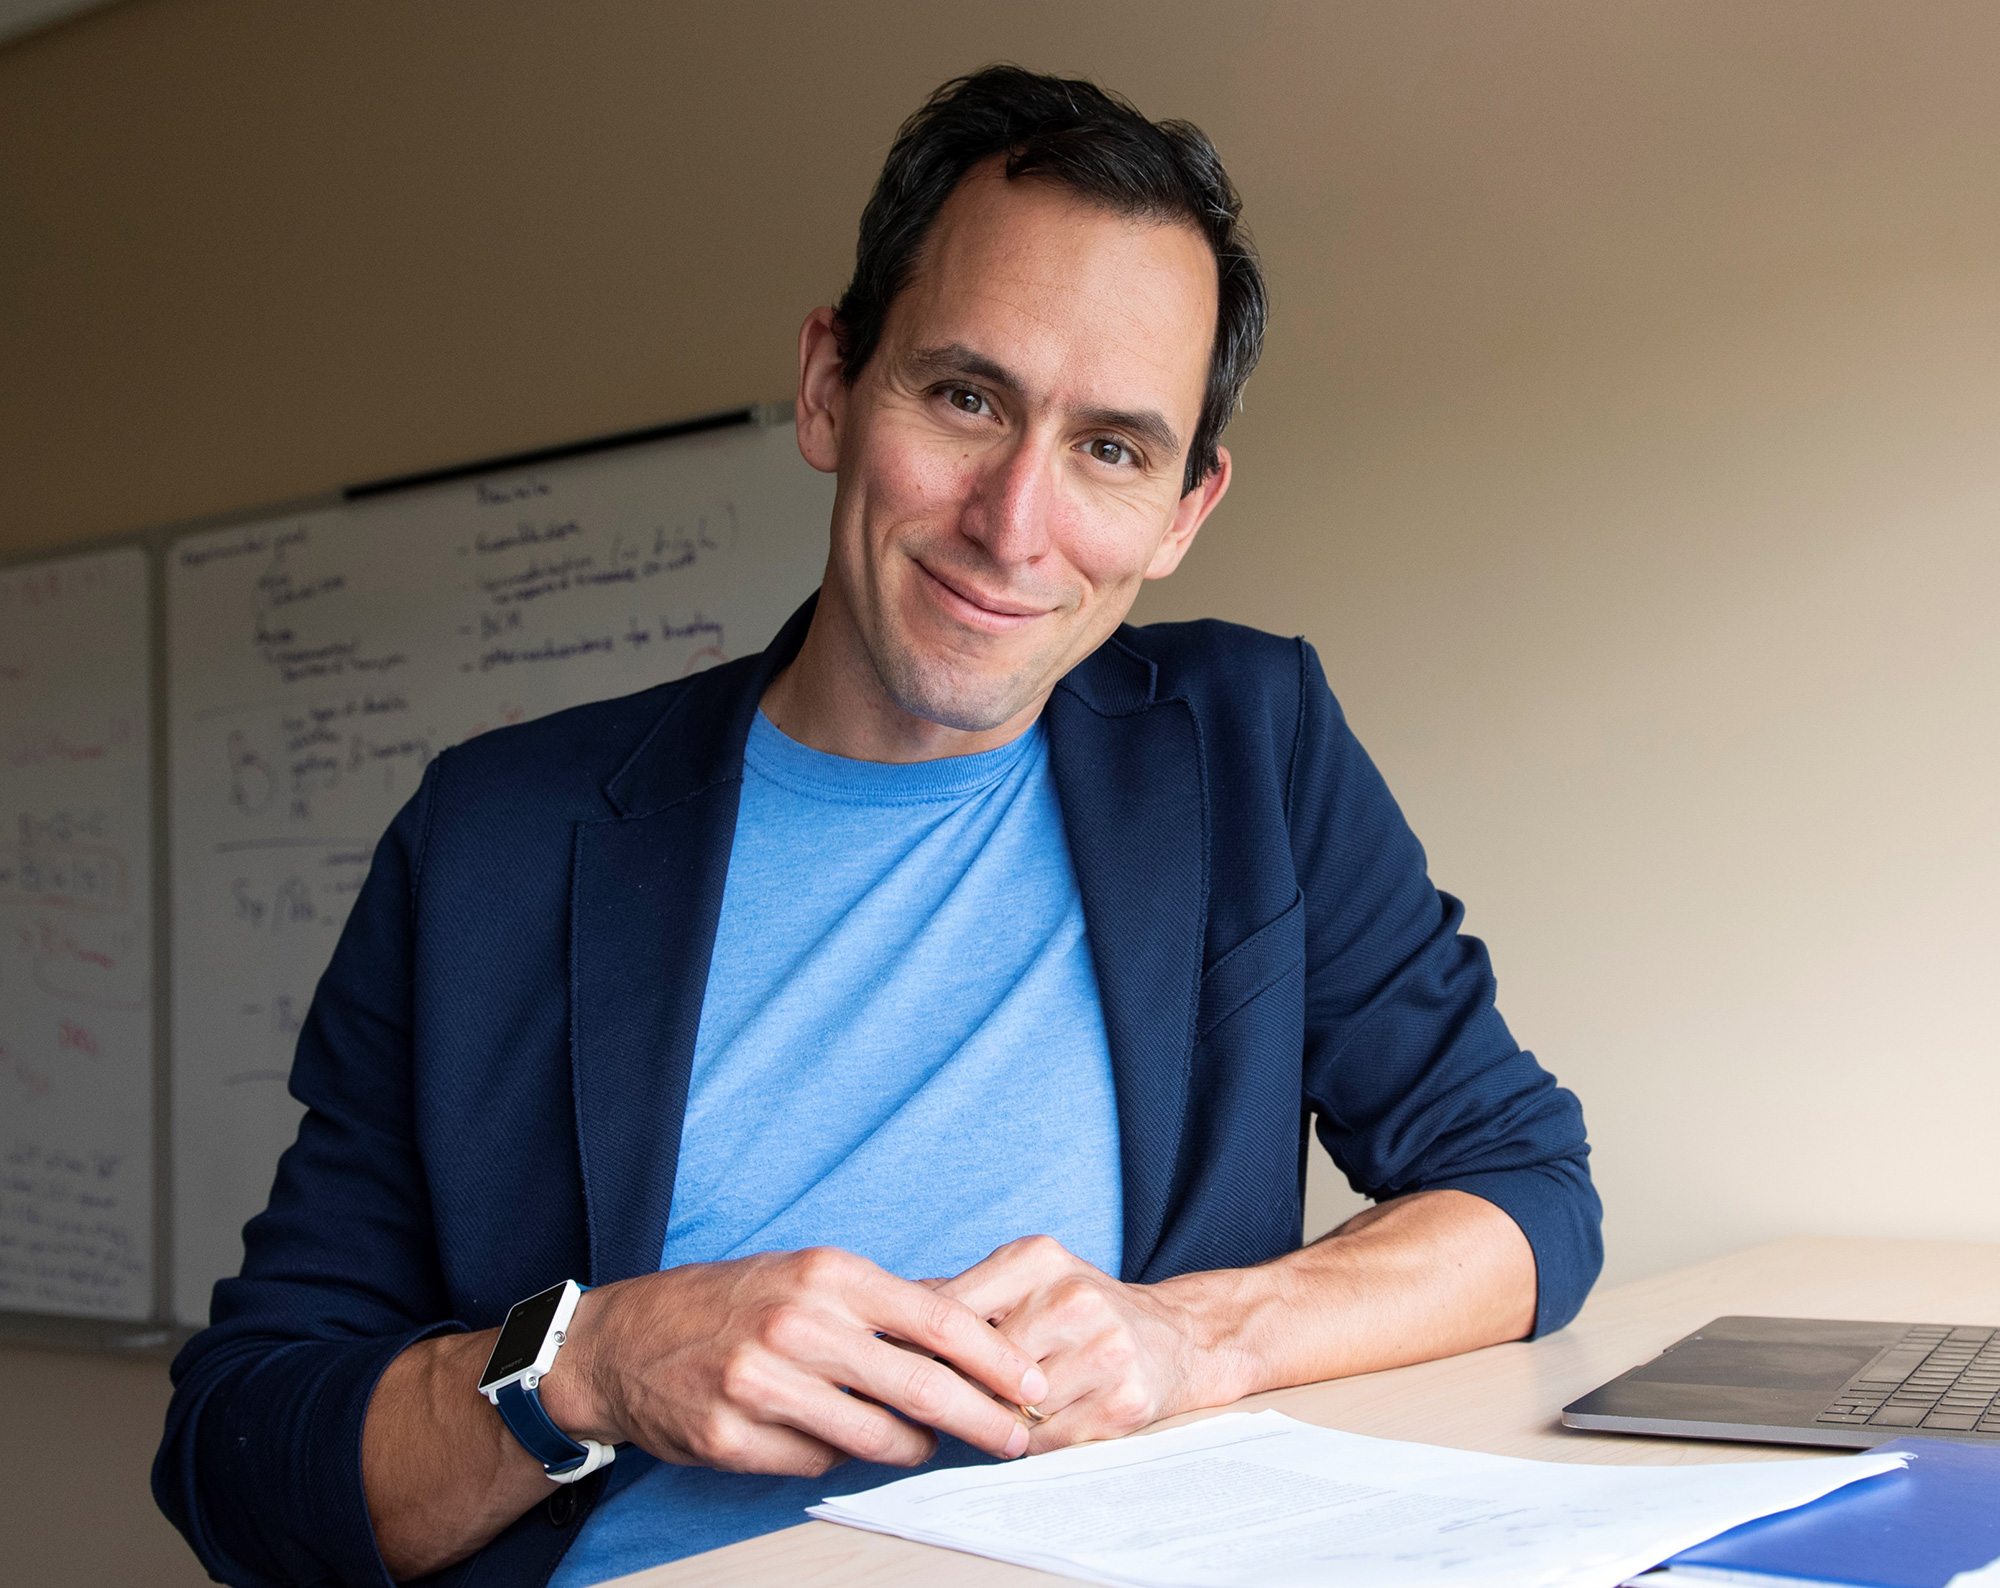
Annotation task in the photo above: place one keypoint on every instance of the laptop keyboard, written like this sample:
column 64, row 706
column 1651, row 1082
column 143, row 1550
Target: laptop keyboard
column 1934, row 1377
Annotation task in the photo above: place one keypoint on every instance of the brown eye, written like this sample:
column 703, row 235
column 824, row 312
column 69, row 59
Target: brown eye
column 966, row 401
column 1108, row 451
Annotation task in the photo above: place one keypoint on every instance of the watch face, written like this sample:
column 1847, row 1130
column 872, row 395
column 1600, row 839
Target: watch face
column 522, row 1334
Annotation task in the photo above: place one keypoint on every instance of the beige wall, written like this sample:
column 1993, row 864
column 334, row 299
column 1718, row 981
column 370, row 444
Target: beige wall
column 1629, row 443
column 76, row 1446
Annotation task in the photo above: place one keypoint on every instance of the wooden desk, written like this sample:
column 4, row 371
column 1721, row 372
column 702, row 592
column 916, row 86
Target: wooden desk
column 1505, row 1399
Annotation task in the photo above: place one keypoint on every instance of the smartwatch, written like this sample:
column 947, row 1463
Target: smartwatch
column 521, row 1359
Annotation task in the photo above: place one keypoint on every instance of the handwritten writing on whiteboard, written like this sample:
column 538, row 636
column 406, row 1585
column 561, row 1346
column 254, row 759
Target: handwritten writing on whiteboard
column 75, row 943
column 67, row 1242
column 322, row 661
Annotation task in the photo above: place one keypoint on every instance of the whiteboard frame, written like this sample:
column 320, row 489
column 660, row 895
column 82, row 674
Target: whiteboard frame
column 160, row 1335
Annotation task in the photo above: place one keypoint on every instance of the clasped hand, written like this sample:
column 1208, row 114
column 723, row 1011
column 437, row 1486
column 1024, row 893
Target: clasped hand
column 1116, row 1356
column 788, row 1362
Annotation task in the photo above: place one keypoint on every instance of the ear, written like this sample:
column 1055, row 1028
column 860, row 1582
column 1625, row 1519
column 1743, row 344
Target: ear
column 1189, row 515
column 822, row 401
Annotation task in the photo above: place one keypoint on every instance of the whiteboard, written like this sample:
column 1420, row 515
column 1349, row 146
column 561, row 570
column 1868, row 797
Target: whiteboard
column 76, row 1022
column 319, row 660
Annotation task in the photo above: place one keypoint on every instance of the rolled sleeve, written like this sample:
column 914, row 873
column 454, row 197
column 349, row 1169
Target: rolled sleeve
column 1556, row 1208
column 261, row 1468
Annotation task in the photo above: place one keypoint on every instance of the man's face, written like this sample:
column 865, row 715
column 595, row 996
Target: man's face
column 1010, row 461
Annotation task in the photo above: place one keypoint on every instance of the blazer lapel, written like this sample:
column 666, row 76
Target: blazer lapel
column 1129, row 773
column 645, row 897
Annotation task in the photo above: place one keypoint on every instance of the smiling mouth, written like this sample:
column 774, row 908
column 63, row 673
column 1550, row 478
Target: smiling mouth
column 979, row 610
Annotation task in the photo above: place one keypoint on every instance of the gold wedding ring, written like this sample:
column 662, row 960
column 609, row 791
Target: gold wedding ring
column 1032, row 1415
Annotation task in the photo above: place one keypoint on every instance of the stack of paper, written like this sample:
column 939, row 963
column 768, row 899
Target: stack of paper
column 1258, row 1498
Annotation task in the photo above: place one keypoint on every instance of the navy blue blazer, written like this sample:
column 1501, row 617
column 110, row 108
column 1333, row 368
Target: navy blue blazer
column 496, row 1062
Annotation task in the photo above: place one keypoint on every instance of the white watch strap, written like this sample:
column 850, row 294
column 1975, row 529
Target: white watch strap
column 600, row 1456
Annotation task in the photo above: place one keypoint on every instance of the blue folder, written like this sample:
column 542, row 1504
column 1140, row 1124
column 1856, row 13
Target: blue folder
column 1917, row 1528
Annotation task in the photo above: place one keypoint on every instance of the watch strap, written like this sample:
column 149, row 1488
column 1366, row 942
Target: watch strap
column 522, row 1411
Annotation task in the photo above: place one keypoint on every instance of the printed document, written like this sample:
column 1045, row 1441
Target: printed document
column 1260, row 1498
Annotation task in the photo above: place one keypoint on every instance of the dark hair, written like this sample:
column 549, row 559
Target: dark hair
column 1072, row 132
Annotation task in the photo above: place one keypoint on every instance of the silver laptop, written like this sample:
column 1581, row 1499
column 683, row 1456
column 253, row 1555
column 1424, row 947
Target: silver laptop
column 1809, row 1381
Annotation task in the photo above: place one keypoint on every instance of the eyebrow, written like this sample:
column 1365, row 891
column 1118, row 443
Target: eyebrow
column 955, row 358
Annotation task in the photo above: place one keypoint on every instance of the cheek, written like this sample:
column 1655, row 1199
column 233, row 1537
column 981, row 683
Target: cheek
column 910, row 483
column 1110, row 548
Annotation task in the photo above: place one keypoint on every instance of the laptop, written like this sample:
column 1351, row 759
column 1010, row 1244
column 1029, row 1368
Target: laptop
column 1809, row 1381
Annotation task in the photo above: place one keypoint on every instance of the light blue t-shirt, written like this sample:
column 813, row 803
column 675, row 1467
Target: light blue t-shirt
column 901, row 1053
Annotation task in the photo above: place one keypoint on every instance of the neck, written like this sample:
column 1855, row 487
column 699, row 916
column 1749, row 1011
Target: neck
column 830, row 698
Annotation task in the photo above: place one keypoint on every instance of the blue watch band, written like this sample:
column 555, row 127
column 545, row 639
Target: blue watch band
column 521, row 1409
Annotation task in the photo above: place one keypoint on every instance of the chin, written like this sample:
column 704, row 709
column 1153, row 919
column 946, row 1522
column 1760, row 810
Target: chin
column 954, row 696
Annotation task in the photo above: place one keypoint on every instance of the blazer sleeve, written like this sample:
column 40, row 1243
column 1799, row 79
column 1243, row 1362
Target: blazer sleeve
column 260, row 1466
column 1416, row 1080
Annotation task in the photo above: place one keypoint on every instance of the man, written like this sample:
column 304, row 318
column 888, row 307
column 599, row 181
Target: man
column 909, row 1032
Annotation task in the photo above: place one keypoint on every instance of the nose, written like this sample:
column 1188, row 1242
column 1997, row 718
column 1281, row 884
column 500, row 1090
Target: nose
column 1013, row 499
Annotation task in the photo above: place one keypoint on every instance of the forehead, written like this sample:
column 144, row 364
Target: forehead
column 1077, row 300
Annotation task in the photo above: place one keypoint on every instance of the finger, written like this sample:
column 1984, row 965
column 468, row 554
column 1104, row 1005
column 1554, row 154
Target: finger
column 997, row 1284
column 935, row 1394
column 962, row 1336
column 1103, row 1411
column 1068, row 1315
column 1074, row 1425
column 743, row 1445
column 1071, row 1380
column 1075, row 1330
column 848, row 1425
column 1029, row 1415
